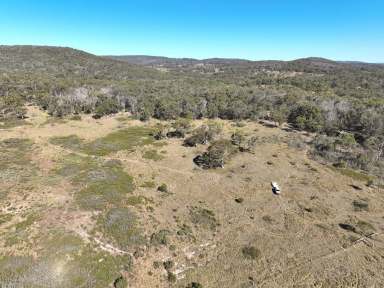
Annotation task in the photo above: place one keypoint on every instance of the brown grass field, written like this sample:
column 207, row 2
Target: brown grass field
column 86, row 211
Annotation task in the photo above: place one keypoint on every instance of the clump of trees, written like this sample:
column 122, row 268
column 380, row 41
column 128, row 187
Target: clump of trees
column 306, row 116
column 243, row 142
column 204, row 134
column 216, row 156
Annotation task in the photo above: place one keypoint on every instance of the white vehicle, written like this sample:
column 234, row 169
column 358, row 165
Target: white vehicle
column 275, row 188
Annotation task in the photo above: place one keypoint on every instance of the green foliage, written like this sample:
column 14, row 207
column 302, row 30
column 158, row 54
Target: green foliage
column 216, row 156
column 332, row 96
column 126, row 139
column 203, row 134
column 306, row 116
column 148, row 184
column 105, row 107
column 137, row 200
column 250, row 252
column 194, row 285
column 163, row 188
column 72, row 142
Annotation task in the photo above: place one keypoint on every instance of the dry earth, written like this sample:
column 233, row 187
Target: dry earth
column 324, row 230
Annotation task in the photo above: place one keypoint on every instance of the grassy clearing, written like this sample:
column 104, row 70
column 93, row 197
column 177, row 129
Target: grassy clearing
column 125, row 139
column 121, row 226
column 16, row 165
column 152, row 155
column 4, row 218
column 12, row 123
column 356, row 175
column 203, row 217
column 20, row 231
column 14, row 154
column 138, row 200
column 148, row 184
column 72, row 142
column 99, row 183
column 160, row 238
column 65, row 261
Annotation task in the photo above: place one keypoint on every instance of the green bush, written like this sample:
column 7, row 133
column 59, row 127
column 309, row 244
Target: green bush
column 216, row 156
column 203, row 134
column 163, row 188
column 106, row 106
column 250, row 252
column 306, row 117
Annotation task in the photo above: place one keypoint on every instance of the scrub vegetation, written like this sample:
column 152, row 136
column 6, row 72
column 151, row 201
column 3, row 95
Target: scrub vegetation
column 119, row 173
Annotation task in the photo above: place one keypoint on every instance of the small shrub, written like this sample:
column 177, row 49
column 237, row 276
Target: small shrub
column 163, row 188
column 160, row 238
column 347, row 227
column 203, row 217
column 171, row 277
column 160, row 132
column 120, row 282
column 365, row 228
column 239, row 200
column 168, row 265
column 194, row 285
column 185, row 230
column 250, row 252
column 359, row 205
column 144, row 115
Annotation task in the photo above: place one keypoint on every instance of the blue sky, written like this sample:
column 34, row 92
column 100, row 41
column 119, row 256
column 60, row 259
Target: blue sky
column 269, row 29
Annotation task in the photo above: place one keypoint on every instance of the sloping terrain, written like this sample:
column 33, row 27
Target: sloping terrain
column 102, row 203
column 66, row 63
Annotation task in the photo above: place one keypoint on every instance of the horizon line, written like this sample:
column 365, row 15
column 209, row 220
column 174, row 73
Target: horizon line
column 192, row 58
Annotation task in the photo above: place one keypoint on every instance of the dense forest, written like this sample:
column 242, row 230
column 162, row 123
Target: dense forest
column 343, row 102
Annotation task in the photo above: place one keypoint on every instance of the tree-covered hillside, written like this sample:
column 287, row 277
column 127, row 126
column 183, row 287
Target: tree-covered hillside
column 314, row 94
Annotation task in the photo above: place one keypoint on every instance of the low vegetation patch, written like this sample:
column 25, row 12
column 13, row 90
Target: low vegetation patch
column 203, row 217
column 98, row 183
column 152, row 155
column 15, row 159
column 250, row 252
column 78, row 263
column 125, row 139
column 72, row 142
column 121, row 226
column 160, row 238
column 354, row 174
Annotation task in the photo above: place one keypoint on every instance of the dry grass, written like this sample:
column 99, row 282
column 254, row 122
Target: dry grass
column 102, row 207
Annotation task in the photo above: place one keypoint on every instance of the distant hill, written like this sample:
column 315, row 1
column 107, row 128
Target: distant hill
column 314, row 64
column 66, row 62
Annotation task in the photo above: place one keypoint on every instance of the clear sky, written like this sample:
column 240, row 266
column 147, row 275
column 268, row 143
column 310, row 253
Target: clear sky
column 268, row 29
